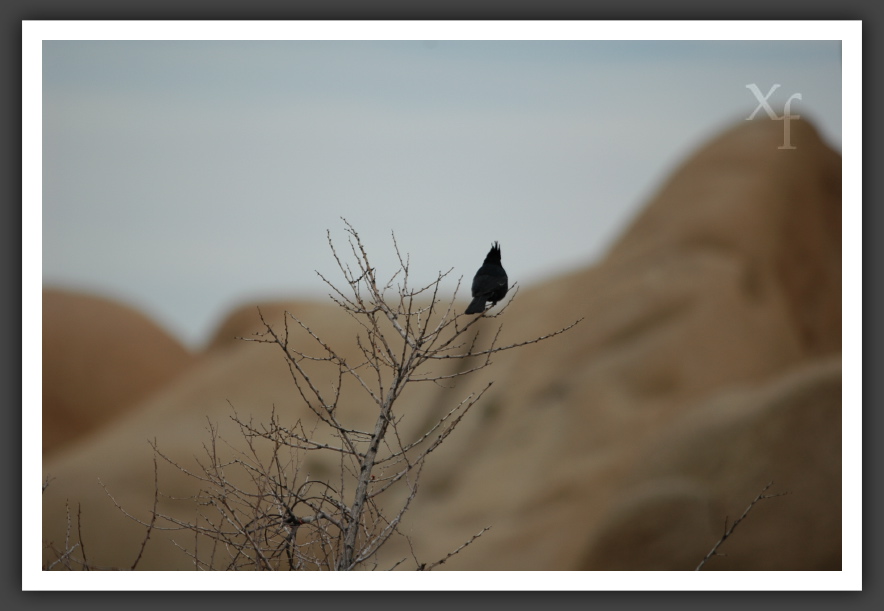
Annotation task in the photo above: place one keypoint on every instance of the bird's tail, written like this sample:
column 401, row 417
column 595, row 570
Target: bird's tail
column 476, row 306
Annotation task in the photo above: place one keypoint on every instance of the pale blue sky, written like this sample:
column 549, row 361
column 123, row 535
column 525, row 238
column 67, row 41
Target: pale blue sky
column 186, row 178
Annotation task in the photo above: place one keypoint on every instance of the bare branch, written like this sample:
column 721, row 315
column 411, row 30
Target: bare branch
column 430, row 567
column 728, row 531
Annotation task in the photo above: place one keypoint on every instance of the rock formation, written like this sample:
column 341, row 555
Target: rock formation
column 100, row 359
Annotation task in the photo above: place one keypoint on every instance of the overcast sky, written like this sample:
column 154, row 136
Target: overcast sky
column 187, row 177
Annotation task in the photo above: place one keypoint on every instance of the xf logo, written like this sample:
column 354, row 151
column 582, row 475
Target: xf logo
column 787, row 110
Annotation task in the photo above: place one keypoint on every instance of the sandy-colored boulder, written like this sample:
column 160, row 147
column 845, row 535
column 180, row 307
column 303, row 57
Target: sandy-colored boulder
column 100, row 358
column 726, row 287
column 707, row 364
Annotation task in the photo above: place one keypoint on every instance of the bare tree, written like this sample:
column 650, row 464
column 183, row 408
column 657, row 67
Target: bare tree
column 283, row 519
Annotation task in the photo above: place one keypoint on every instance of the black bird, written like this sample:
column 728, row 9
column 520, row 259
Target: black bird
column 490, row 282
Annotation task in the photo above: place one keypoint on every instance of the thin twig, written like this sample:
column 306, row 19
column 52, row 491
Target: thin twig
column 728, row 531
column 430, row 567
column 153, row 513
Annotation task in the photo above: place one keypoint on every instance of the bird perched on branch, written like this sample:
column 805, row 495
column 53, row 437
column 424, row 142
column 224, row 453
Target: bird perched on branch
column 490, row 282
